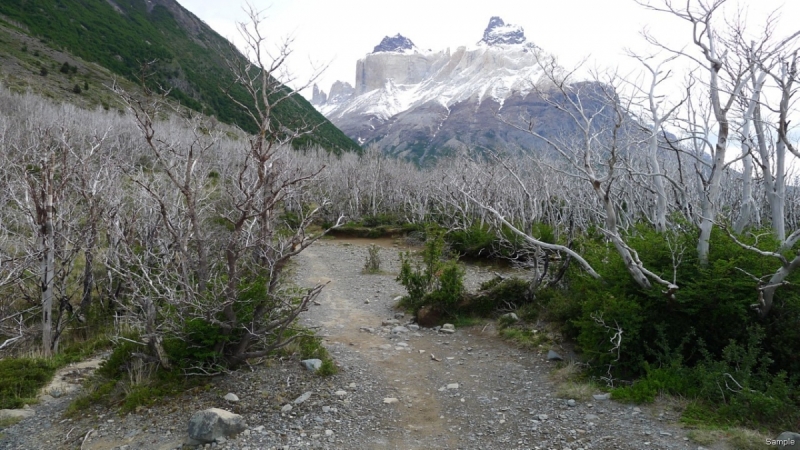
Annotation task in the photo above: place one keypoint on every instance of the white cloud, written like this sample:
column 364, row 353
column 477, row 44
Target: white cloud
column 342, row 31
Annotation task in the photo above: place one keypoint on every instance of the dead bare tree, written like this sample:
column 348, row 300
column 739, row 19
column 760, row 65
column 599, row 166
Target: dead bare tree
column 727, row 76
column 595, row 151
column 220, row 220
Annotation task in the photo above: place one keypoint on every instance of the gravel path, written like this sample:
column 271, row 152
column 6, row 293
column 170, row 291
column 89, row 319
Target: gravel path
column 396, row 390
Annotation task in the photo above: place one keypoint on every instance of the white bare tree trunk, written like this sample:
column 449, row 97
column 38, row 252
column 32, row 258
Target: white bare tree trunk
column 47, row 274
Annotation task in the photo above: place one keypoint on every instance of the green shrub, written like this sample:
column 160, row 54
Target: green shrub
column 434, row 281
column 378, row 220
column 372, row 265
column 198, row 345
column 116, row 365
column 477, row 241
column 327, row 368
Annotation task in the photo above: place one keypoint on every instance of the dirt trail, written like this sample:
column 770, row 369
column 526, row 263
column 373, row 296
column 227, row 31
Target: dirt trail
column 344, row 319
column 504, row 396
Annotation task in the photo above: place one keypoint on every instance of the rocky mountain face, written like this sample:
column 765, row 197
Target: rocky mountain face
column 499, row 33
column 397, row 43
column 420, row 104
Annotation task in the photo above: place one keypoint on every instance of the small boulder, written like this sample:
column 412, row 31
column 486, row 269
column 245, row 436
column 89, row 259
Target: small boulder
column 788, row 440
column 390, row 322
column 231, row 397
column 311, row 364
column 553, row 356
column 212, row 424
column 448, row 328
column 399, row 330
column 302, row 398
column 509, row 318
column 428, row 316
column 14, row 414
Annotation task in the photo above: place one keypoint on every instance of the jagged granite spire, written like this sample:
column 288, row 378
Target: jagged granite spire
column 396, row 43
column 498, row 32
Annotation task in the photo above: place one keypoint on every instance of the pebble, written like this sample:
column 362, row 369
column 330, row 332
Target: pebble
column 302, row 398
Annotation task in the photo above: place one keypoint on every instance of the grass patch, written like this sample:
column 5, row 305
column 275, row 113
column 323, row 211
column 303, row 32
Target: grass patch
column 462, row 321
column 357, row 231
column 21, row 379
column 6, row 422
column 525, row 337
column 576, row 390
column 566, row 372
column 738, row 438
column 310, row 346
column 97, row 391
column 571, row 382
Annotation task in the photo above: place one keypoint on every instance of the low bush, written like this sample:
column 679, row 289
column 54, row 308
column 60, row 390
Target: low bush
column 434, row 281
column 705, row 344
column 372, row 265
column 22, row 378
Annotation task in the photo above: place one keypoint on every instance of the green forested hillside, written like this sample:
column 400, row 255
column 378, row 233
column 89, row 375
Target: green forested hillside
column 189, row 56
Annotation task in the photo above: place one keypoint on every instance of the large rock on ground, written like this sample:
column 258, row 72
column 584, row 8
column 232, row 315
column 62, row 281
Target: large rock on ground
column 17, row 414
column 428, row 316
column 311, row 364
column 787, row 440
column 211, row 424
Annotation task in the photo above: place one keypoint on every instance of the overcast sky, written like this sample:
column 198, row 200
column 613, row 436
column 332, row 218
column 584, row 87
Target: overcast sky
column 339, row 32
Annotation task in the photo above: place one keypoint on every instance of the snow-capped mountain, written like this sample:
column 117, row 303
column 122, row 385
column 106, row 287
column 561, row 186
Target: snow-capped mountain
column 416, row 103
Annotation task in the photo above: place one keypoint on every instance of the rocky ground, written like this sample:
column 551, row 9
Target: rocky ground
column 420, row 388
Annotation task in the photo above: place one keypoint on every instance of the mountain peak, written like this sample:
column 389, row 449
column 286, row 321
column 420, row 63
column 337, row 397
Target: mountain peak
column 396, row 43
column 499, row 32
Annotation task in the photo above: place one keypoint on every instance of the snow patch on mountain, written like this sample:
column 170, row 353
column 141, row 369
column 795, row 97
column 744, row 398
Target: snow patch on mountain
column 466, row 74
